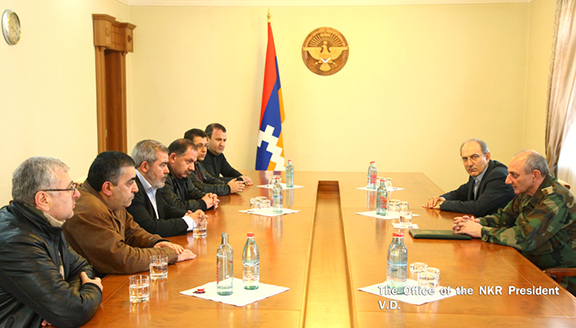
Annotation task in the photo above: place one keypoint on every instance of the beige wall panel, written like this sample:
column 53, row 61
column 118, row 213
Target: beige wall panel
column 419, row 80
column 47, row 87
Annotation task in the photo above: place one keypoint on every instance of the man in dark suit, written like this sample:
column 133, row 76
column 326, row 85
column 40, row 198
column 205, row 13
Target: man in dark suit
column 149, row 207
column 486, row 190
column 200, row 177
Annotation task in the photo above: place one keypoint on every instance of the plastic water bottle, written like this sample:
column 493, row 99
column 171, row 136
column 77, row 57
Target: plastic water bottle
column 382, row 198
column 372, row 174
column 277, row 197
column 251, row 263
column 397, row 263
column 289, row 175
column 224, row 267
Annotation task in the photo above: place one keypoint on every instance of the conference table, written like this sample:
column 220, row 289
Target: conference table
column 325, row 252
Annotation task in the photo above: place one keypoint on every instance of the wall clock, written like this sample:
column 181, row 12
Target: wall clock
column 10, row 27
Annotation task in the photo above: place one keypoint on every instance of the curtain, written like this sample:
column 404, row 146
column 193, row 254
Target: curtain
column 562, row 93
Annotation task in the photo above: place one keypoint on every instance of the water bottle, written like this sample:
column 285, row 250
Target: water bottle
column 382, row 198
column 397, row 263
column 277, row 197
column 371, row 178
column 224, row 267
column 251, row 263
column 289, row 175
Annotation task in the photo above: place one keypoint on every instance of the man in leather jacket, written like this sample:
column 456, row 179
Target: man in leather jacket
column 42, row 280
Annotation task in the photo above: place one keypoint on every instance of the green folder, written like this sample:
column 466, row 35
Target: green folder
column 437, row 234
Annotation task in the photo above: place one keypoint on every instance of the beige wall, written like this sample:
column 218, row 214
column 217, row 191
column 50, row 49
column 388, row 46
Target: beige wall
column 539, row 54
column 419, row 80
column 48, row 97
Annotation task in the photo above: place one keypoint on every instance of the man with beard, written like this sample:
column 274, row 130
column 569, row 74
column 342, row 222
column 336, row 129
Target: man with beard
column 149, row 207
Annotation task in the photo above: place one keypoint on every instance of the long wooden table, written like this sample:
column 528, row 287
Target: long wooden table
column 324, row 253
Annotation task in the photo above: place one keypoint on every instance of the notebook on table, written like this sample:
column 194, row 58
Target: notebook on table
column 437, row 234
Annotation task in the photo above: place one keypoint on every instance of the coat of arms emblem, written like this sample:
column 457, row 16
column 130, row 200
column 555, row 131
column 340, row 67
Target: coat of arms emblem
column 325, row 51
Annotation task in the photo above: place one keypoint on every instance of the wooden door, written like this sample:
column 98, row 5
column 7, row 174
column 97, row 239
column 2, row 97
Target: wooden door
column 112, row 40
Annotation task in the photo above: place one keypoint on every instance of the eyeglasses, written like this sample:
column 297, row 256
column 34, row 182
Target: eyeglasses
column 472, row 158
column 201, row 146
column 73, row 189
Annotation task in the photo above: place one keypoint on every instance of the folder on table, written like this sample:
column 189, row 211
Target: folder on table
column 436, row 234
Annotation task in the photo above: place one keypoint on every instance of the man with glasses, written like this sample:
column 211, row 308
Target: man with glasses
column 104, row 232
column 200, row 177
column 42, row 280
column 486, row 190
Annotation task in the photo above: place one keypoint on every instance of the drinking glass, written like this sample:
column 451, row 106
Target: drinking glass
column 404, row 207
column 427, row 279
column 139, row 288
column 200, row 230
column 158, row 267
column 416, row 268
column 406, row 218
column 388, row 183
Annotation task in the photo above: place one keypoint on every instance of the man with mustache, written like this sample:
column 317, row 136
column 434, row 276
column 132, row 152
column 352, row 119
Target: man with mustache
column 103, row 231
column 486, row 190
column 149, row 207
column 539, row 222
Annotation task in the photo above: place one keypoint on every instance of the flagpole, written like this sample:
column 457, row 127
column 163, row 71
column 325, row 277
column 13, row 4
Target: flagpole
column 269, row 15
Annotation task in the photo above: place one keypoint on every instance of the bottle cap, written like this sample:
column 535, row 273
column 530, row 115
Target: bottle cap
column 250, row 235
column 398, row 234
column 372, row 162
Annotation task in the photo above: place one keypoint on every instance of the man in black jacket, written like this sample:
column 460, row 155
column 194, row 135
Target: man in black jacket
column 215, row 162
column 149, row 208
column 200, row 177
column 486, row 190
column 179, row 190
column 42, row 280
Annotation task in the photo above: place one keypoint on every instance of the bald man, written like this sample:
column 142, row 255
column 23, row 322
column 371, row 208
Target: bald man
column 486, row 190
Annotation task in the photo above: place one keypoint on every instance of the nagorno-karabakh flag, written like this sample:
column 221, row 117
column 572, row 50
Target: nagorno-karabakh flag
column 270, row 154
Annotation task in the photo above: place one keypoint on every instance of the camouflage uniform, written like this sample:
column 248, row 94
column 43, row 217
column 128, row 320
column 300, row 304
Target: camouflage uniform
column 541, row 227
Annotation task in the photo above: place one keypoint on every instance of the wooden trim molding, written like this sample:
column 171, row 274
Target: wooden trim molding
column 112, row 41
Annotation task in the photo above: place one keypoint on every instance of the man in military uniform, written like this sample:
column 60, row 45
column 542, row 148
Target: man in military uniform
column 539, row 221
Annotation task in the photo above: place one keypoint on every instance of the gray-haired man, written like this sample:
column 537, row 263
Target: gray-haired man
column 486, row 190
column 42, row 280
column 149, row 207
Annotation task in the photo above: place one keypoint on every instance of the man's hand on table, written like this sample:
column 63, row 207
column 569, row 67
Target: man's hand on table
column 434, row 202
column 183, row 254
column 468, row 226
